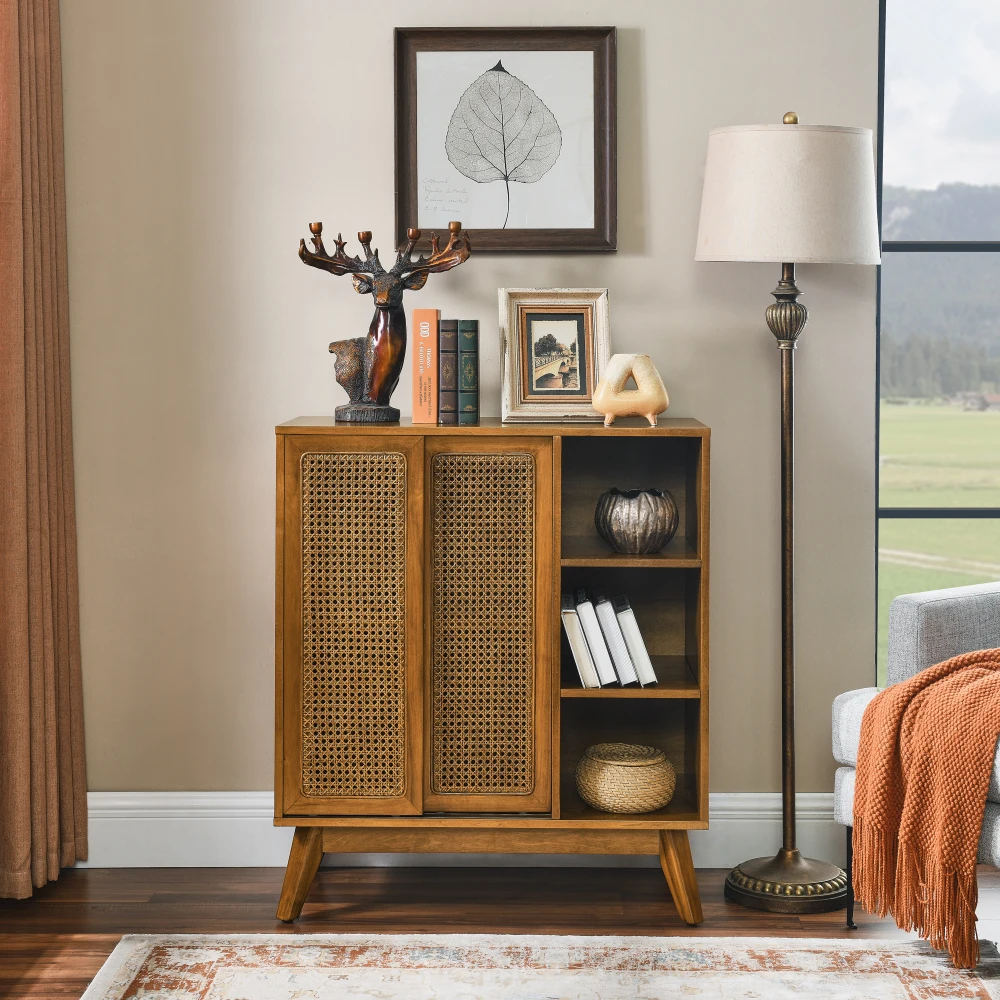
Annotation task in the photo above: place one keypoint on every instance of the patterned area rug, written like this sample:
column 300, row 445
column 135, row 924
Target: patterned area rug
column 500, row 967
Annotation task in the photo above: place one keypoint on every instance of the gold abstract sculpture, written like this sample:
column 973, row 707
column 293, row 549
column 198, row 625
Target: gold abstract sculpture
column 648, row 398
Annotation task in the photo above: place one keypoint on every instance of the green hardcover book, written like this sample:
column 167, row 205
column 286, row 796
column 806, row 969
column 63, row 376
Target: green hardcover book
column 468, row 407
column 468, row 371
column 468, row 335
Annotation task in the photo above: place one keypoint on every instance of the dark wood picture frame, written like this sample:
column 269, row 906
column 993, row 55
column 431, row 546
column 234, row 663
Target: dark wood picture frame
column 603, row 236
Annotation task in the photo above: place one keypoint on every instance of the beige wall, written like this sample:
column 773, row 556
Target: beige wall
column 203, row 135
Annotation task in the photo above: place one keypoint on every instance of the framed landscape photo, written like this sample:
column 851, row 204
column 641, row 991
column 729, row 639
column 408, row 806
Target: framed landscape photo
column 555, row 343
column 510, row 131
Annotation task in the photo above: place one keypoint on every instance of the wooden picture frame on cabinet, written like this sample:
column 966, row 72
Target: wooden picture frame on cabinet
column 556, row 386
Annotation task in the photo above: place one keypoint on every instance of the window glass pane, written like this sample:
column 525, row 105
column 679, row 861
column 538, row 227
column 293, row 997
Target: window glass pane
column 941, row 121
column 939, row 431
column 916, row 554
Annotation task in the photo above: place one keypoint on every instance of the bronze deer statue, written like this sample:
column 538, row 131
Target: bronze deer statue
column 368, row 367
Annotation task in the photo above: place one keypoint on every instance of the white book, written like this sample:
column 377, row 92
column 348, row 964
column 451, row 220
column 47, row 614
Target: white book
column 633, row 640
column 578, row 644
column 595, row 639
column 616, row 641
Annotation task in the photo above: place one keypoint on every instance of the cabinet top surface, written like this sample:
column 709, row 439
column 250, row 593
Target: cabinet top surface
column 630, row 426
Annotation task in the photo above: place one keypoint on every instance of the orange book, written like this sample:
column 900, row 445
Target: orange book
column 425, row 366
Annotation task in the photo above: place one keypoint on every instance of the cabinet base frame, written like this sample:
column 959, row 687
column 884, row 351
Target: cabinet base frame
column 310, row 843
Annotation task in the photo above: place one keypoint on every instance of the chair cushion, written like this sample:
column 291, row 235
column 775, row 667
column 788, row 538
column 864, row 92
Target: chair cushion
column 848, row 708
column 989, row 839
column 843, row 796
column 993, row 795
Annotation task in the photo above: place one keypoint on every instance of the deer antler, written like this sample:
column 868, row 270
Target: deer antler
column 339, row 262
column 414, row 272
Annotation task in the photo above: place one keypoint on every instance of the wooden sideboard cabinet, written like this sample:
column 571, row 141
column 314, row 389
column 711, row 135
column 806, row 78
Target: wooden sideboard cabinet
column 426, row 699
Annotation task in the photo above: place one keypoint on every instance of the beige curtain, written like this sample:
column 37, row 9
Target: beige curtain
column 43, row 797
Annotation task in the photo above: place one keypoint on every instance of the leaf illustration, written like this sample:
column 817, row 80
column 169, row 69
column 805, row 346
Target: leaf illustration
column 501, row 130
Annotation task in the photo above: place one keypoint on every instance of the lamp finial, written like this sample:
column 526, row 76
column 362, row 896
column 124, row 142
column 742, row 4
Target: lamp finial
column 791, row 118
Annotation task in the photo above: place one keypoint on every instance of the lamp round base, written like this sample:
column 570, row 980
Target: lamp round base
column 788, row 883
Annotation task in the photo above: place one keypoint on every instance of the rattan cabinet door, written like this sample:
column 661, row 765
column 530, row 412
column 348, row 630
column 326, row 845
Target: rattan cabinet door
column 350, row 639
column 488, row 650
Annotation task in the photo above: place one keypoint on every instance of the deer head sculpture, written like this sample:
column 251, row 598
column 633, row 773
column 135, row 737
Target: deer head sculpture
column 368, row 367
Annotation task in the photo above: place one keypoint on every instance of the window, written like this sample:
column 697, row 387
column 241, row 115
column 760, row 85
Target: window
column 939, row 300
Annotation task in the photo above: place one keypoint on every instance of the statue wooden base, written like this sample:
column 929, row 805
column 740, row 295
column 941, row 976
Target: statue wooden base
column 366, row 413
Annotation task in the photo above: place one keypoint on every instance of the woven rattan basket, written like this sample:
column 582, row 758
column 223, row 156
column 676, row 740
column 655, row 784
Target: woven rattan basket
column 621, row 778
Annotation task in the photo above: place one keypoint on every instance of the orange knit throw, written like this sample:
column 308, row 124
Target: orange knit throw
column 927, row 749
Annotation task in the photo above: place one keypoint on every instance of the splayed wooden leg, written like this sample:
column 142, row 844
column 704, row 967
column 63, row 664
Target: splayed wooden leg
column 678, row 867
column 303, row 863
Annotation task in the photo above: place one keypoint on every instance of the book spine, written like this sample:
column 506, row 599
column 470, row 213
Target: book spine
column 585, row 668
column 634, row 641
column 595, row 639
column 425, row 366
column 468, row 371
column 448, row 371
column 616, row 642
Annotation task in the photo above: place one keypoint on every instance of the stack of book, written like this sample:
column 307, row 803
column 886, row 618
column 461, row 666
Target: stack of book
column 445, row 369
column 605, row 640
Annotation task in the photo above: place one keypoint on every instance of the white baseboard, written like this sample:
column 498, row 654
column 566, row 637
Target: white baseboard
column 234, row 830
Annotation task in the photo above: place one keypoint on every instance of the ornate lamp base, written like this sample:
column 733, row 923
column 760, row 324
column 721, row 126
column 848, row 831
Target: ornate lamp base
column 788, row 883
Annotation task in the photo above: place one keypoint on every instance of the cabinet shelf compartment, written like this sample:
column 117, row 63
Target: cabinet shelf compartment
column 666, row 605
column 670, row 725
column 592, row 465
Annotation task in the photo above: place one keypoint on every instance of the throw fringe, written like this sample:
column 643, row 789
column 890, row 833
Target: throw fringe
column 938, row 903
column 874, row 867
column 900, row 879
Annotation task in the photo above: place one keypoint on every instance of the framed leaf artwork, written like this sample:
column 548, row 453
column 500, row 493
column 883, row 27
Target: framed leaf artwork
column 512, row 132
column 554, row 345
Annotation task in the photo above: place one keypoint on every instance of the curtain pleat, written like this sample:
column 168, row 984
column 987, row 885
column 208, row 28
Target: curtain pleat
column 43, row 822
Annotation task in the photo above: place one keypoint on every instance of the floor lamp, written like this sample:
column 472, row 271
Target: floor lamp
column 788, row 194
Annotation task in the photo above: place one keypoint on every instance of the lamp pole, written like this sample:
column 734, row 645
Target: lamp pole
column 786, row 320
column 788, row 882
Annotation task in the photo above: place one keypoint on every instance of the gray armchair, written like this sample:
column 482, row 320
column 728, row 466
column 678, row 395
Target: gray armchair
column 924, row 629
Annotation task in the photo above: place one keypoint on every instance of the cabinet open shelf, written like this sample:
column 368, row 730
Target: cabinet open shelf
column 674, row 679
column 592, row 550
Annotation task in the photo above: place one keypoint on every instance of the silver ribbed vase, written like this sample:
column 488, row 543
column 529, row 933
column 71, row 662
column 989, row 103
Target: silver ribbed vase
column 636, row 522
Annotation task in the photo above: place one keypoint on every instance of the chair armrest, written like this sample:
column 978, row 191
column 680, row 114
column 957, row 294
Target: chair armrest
column 848, row 710
column 936, row 625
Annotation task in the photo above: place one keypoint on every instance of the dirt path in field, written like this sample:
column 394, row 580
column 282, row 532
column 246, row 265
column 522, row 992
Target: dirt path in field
column 949, row 564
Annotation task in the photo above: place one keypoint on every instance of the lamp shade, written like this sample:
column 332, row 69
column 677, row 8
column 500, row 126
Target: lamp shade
column 799, row 194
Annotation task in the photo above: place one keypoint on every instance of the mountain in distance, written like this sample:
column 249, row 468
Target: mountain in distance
column 948, row 212
column 940, row 312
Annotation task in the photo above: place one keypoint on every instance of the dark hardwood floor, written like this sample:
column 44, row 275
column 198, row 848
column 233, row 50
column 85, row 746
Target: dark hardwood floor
column 53, row 944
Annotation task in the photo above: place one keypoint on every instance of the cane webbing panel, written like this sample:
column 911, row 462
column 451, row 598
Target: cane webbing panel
column 482, row 663
column 353, row 629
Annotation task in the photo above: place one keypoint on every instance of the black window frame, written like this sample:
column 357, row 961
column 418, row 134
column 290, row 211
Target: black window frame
column 906, row 246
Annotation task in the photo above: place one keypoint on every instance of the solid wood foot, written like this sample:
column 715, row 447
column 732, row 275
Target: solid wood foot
column 678, row 868
column 303, row 863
